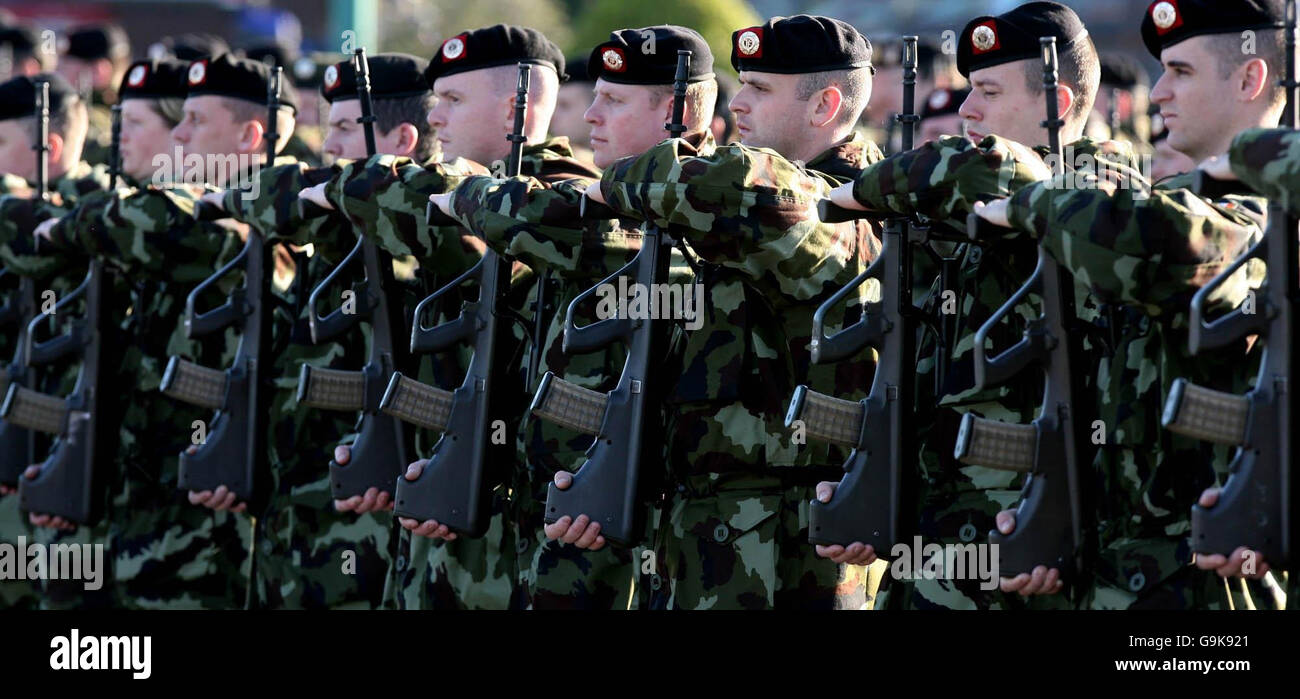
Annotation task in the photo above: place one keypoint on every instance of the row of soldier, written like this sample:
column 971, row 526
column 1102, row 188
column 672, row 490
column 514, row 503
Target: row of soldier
column 728, row 517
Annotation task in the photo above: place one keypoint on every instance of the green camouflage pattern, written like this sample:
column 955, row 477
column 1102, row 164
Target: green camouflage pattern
column 1267, row 161
column 742, row 480
column 1146, row 251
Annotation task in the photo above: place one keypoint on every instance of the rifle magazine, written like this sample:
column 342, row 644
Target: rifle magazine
column 332, row 389
column 1201, row 413
column 34, row 411
column 417, row 403
column 570, row 405
column 826, row 418
column 995, row 444
column 194, row 384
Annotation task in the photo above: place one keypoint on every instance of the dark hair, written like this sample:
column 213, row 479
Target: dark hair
column 1270, row 46
column 391, row 113
column 1080, row 69
column 854, row 83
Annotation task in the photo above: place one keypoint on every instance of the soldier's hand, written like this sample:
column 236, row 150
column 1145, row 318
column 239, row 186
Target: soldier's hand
column 995, row 212
column 856, row 553
column 6, row 490
column 593, row 192
column 220, row 499
column 215, row 199
column 842, row 196
column 581, row 532
column 430, row 528
column 1218, row 167
column 42, row 230
column 316, row 195
column 373, row 501
column 44, row 520
column 1043, row 581
column 442, row 201
column 1243, row 562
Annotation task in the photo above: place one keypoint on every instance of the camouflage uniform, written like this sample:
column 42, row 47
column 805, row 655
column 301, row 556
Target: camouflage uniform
column 940, row 181
column 1147, row 251
column 735, row 531
column 166, row 552
column 539, row 223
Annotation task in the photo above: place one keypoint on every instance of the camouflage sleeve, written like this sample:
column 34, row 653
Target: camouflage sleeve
column 943, row 179
column 1268, row 161
column 747, row 209
column 1148, row 248
column 387, row 197
column 542, row 226
column 271, row 207
column 151, row 230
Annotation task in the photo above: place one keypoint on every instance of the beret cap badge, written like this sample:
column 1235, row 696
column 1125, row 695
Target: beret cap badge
column 136, row 78
column 453, row 48
column 983, row 37
column 613, row 60
column 1164, row 14
column 198, row 72
column 749, row 42
column 331, row 77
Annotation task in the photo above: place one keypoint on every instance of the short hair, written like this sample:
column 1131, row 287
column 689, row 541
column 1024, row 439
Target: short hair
column 243, row 110
column 170, row 109
column 701, row 97
column 392, row 113
column 1079, row 67
column 1270, row 45
column 70, row 112
column 854, row 84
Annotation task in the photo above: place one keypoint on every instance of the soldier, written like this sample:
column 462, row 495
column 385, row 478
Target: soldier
column 304, row 544
column 544, row 229
column 942, row 179
column 1147, row 253
column 473, row 75
column 935, row 70
column 939, row 116
column 189, row 47
column 94, row 60
column 734, row 535
column 21, row 53
column 300, row 143
column 70, row 179
column 571, row 104
column 1120, row 112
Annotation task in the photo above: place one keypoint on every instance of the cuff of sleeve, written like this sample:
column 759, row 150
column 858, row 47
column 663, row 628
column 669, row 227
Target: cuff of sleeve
column 1021, row 213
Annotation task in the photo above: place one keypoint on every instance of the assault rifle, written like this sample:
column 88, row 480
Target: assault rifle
column 1048, row 526
column 379, row 455
column 623, row 423
column 68, row 484
column 455, row 486
column 1254, row 507
column 235, row 451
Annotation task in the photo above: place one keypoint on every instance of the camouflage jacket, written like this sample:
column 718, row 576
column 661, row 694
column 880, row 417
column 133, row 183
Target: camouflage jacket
column 1145, row 251
column 767, row 263
column 1266, row 162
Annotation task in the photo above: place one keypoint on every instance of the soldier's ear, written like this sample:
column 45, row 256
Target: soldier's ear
column 56, row 147
column 1064, row 99
column 1254, row 79
column 826, row 109
column 250, row 137
column 405, row 137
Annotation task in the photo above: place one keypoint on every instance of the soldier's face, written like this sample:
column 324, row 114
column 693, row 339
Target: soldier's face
column 472, row 118
column 346, row 138
column 16, row 155
column 208, row 128
column 769, row 113
column 1001, row 103
column 1195, row 99
column 145, row 134
column 946, row 125
column 570, row 105
column 625, row 120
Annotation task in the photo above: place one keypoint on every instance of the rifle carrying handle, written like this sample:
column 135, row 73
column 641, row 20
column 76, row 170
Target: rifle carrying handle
column 602, row 333
column 426, row 340
column 569, row 405
column 1231, row 326
column 417, row 403
column 327, row 327
column 1205, row 414
column 826, row 418
column 995, row 444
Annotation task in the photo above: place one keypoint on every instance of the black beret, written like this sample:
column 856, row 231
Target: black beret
column 190, row 47
column 1168, row 22
column 228, row 75
column 273, row 54
column 1013, row 36
column 577, row 67
column 392, row 76
column 943, row 101
column 1122, row 70
column 627, row 58
column 18, row 95
column 155, row 78
column 106, row 41
column 800, row 44
column 22, row 39
column 489, row 47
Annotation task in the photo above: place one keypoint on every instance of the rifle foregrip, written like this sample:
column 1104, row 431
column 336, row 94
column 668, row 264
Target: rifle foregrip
column 826, row 418
column 331, row 389
column 194, row 384
column 416, row 403
column 34, row 411
column 1201, row 413
column 569, row 405
column 995, row 444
